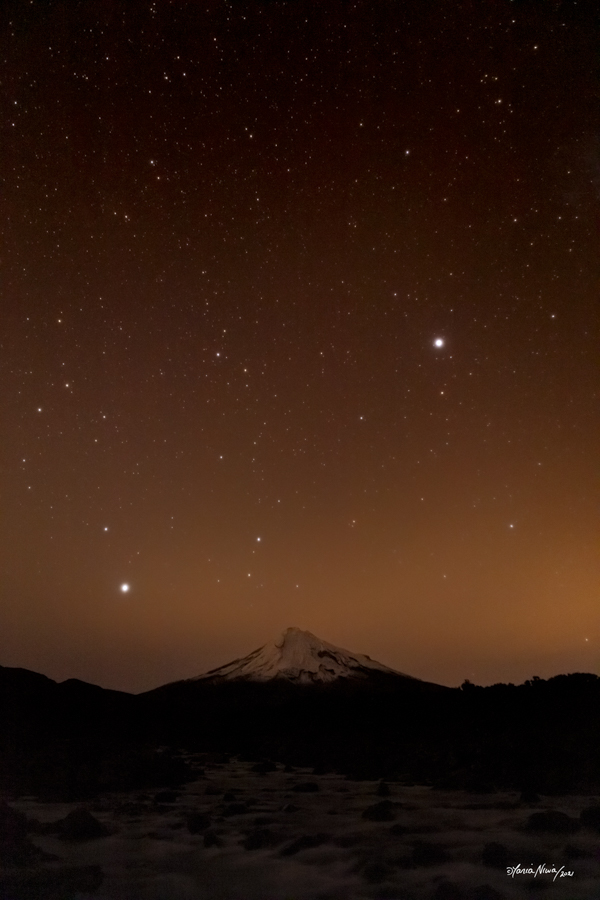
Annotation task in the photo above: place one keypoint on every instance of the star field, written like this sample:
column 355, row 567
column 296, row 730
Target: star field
column 299, row 328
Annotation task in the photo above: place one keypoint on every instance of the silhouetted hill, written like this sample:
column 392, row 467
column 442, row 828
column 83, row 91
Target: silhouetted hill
column 74, row 739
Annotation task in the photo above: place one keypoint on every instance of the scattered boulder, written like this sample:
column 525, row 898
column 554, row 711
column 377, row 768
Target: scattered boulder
column 229, row 797
column 264, row 820
column 263, row 767
column 383, row 790
column 22, row 853
column 350, row 839
column 131, row 808
column 495, row 855
column 306, row 787
column 259, row 838
column 289, row 808
column 197, row 822
column 478, row 785
column 64, row 883
column 380, row 812
column 235, row 809
column 15, row 847
column 590, row 817
column 572, row 852
column 376, row 871
column 13, row 824
column 486, row 892
column 552, row 820
column 78, row 825
column 529, row 796
column 447, row 890
column 166, row 797
column 211, row 839
column 305, row 842
column 426, row 854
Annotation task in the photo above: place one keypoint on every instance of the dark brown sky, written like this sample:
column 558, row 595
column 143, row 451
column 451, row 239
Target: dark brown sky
column 231, row 235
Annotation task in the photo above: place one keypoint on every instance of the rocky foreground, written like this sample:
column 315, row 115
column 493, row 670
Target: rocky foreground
column 263, row 831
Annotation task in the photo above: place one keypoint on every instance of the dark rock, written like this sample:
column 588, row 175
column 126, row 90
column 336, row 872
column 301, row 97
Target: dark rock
column 448, row 891
column 64, row 883
column 321, row 769
column 572, row 852
column 426, row 854
column 287, row 768
column 229, row 797
column 264, row 820
column 15, row 848
column 166, row 797
column 259, row 838
column 485, row 892
column 197, row 822
column 13, row 824
column 235, row 809
column 383, row 790
column 211, row 839
column 590, row 817
column 289, row 808
column 348, row 840
column 218, row 760
column 529, row 796
column 22, row 853
column 537, row 884
column 212, row 790
column 478, row 785
column 263, row 767
column 553, row 821
column 305, row 842
column 495, row 855
column 306, row 787
column 78, row 825
column 380, row 812
column 377, row 871
column 131, row 808
column 400, row 830
column 388, row 892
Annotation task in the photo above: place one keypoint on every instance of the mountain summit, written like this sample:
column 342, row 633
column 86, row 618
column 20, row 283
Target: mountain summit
column 301, row 658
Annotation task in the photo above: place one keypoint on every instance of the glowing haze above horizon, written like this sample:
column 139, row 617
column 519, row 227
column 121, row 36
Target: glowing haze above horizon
column 299, row 328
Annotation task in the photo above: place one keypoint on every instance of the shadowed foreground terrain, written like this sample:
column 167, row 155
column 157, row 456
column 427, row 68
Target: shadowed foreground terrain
column 375, row 788
column 268, row 832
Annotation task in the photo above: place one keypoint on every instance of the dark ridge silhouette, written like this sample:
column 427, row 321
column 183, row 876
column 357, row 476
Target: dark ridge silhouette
column 73, row 740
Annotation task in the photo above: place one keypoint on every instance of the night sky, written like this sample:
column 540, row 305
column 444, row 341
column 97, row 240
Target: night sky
column 299, row 327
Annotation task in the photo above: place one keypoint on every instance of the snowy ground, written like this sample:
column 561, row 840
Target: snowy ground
column 152, row 855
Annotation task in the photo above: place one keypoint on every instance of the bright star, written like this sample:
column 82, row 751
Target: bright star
column 439, row 342
column 124, row 588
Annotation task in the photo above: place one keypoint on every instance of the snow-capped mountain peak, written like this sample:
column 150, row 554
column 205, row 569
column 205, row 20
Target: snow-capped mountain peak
column 300, row 657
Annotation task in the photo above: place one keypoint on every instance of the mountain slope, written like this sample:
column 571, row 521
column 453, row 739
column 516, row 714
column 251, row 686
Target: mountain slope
column 301, row 658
